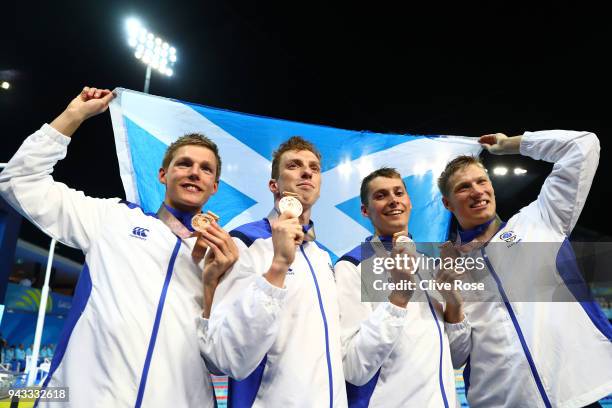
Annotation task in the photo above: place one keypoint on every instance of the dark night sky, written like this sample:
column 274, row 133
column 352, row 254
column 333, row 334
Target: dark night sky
column 440, row 68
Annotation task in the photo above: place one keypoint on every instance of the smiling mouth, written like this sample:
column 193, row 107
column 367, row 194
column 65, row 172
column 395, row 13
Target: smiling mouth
column 479, row 204
column 192, row 188
column 394, row 212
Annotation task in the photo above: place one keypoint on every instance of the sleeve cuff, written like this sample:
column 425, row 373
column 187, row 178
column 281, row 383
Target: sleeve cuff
column 396, row 311
column 270, row 290
column 457, row 327
column 527, row 142
column 54, row 135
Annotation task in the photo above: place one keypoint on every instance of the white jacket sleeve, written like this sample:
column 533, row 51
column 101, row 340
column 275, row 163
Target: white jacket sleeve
column 460, row 341
column 575, row 156
column 244, row 320
column 63, row 213
column 368, row 334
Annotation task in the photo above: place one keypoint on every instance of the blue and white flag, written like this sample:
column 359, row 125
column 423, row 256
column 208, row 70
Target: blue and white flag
column 145, row 125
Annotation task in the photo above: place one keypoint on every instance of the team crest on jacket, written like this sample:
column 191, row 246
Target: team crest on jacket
column 510, row 237
column 140, row 233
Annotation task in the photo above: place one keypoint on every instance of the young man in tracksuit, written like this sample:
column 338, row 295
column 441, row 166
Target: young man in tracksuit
column 274, row 326
column 130, row 339
column 396, row 352
column 525, row 351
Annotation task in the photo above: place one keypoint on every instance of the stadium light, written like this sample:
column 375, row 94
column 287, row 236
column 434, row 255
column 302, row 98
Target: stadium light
column 500, row 171
column 153, row 51
column 5, row 85
column 519, row 172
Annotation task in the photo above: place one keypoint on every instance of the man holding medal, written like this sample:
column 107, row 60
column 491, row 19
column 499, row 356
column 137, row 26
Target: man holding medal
column 396, row 352
column 525, row 351
column 274, row 326
column 130, row 338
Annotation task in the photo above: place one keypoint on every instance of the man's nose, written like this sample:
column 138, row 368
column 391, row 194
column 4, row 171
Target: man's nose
column 393, row 201
column 194, row 171
column 477, row 189
column 307, row 173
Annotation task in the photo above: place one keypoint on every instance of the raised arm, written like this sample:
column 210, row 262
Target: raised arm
column 90, row 102
column 27, row 185
column 575, row 156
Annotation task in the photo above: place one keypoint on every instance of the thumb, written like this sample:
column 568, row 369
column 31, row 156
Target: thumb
column 108, row 98
column 285, row 216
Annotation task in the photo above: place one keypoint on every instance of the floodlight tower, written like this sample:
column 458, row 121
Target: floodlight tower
column 154, row 52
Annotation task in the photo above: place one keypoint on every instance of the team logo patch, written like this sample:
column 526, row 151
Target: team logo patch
column 140, row 233
column 508, row 236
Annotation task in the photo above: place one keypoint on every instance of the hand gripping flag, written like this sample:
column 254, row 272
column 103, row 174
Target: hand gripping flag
column 144, row 126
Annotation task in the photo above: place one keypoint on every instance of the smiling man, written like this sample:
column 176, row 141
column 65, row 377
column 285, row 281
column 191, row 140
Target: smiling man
column 130, row 339
column 472, row 199
column 396, row 353
column 274, row 326
column 525, row 352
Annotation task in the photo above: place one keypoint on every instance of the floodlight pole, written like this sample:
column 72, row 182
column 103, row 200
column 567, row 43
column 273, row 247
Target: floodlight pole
column 40, row 322
column 147, row 79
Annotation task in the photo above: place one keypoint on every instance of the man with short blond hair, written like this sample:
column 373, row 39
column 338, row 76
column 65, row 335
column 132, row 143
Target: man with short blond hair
column 140, row 291
column 524, row 351
column 458, row 163
column 193, row 139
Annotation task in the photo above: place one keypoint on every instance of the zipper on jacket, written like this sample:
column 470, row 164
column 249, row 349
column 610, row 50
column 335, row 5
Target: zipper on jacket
column 532, row 366
column 156, row 324
column 440, row 376
column 329, row 368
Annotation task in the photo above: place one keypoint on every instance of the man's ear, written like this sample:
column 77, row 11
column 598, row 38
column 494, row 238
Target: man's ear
column 364, row 211
column 161, row 175
column 446, row 204
column 273, row 186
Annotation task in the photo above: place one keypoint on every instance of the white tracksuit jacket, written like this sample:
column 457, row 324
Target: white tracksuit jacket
column 280, row 347
column 394, row 357
column 539, row 354
column 131, row 335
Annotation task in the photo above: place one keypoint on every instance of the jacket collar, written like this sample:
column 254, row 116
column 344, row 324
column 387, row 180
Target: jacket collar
column 179, row 222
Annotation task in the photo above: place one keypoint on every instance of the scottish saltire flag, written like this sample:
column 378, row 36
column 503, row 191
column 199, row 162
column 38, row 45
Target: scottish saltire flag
column 145, row 125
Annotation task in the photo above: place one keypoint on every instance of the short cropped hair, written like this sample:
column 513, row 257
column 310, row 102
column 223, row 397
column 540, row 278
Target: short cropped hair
column 453, row 166
column 388, row 172
column 294, row 143
column 192, row 139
